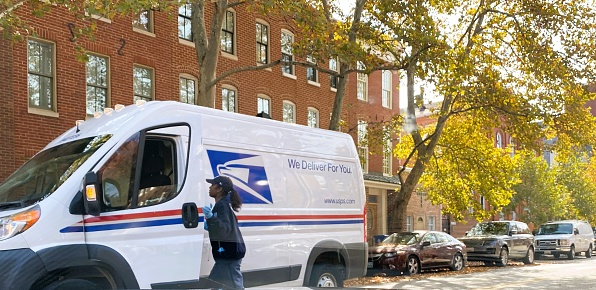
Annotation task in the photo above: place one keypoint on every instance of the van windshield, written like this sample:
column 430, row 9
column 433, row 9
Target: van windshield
column 555, row 229
column 46, row 171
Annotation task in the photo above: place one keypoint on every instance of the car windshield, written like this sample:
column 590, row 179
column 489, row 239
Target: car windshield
column 554, row 229
column 489, row 229
column 46, row 171
column 402, row 239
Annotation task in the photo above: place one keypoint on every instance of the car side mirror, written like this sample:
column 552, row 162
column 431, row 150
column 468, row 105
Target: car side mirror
column 425, row 244
column 513, row 232
column 91, row 189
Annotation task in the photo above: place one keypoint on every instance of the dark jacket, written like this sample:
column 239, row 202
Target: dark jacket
column 224, row 232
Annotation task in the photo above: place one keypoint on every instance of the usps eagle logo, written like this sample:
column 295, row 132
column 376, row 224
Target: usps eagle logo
column 247, row 171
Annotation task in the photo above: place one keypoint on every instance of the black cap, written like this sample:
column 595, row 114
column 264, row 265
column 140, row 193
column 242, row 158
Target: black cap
column 223, row 181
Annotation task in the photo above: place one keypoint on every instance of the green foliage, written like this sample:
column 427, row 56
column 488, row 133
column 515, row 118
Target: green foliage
column 575, row 174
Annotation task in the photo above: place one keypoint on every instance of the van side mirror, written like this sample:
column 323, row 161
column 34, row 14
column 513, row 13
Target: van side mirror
column 90, row 200
column 575, row 231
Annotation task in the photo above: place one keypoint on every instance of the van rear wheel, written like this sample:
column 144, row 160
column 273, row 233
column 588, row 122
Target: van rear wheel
column 326, row 276
column 72, row 284
column 589, row 252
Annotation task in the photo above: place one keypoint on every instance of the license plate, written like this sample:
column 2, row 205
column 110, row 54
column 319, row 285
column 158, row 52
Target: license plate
column 370, row 264
column 547, row 252
column 470, row 249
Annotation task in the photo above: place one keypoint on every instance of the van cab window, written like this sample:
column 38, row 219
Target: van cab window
column 46, row 172
column 127, row 185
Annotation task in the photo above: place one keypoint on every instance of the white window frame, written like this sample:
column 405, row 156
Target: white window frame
column 261, row 106
column 312, row 71
column 333, row 66
column 499, row 140
column 186, row 78
column 152, row 89
column 512, row 145
column 148, row 28
column 408, row 223
column 260, row 42
column 105, row 87
column 289, row 53
column 388, row 158
column 50, row 110
column 226, row 99
column 288, row 112
column 431, row 223
column 186, row 19
column 386, row 94
column 232, row 32
column 362, row 146
column 312, row 119
column 361, row 83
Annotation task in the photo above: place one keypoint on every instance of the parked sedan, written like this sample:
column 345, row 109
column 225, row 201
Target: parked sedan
column 410, row 252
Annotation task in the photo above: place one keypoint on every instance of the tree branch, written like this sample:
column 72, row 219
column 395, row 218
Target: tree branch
column 242, row 69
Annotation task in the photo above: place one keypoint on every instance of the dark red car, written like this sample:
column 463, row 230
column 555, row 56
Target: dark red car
column 410, row 252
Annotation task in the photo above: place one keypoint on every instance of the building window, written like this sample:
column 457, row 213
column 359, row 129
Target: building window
column 313, row 118
column 311, row 72
column 142, row 83
column 512, row 145
column 184, row 22
column 482, row 202
column 263, row 105
column 499, row 140
column 362, row 145
column 188, row 90
column 97, row 83
column 262, row 43
column 143, row 21
column 287, row 39
column 431, row 223
column 387, row 158
column 386, row 95
column 228, row 99
column 289, row 112
column 362, row 83
column 227, row 33
column 40, row 77
column 408, row 224
column 333, row 80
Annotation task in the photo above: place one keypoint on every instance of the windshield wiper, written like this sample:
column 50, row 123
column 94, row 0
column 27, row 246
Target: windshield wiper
column 11, row 204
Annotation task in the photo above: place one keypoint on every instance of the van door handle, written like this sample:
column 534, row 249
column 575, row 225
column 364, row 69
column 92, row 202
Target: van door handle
column 190, row 215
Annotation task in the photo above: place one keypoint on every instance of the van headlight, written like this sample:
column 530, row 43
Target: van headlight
column 564, row 242
column 15, row 224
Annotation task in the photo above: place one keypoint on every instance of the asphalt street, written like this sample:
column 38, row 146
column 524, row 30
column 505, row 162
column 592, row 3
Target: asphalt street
column 550, row 274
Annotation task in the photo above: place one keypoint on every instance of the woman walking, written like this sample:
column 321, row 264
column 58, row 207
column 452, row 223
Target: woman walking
column 227, row 244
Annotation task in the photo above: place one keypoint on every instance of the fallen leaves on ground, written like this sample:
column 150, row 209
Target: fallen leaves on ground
column 472, row 267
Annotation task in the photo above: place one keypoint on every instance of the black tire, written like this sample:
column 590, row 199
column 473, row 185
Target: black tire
column 72, row 284
column 326, row 276
column 503, row 257
column 457, row 263
column 571, row 253
column 557, row 255
column 529, row 258
column 412, row 265
column 489, row 263
column 589, row 252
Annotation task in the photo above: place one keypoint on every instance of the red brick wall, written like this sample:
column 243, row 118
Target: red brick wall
column 169, row 59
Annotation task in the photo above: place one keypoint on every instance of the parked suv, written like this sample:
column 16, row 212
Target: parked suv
column 568, row 237
column 499, row 241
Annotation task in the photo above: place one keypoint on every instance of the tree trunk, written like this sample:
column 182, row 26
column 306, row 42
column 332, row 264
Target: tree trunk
column 342, row 83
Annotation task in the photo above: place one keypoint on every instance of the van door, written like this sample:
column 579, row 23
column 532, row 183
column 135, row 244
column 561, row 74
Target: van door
column 141, row 199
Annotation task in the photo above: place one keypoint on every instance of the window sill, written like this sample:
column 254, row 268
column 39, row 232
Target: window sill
column 260, row 64
column 101, row 18
column 363, row 100
column 186, row 42
column 141, row 31
column 290, row 76
column 333, row 89
column 43, row 112
column 228, row 55
column 316, row 84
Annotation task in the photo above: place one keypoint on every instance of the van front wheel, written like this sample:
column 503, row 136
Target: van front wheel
column 589, row 252
column 72, row 284
column 326, row 276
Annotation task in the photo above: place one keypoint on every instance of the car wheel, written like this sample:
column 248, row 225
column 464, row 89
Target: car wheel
column 571, row 254
column 529, row 258
column 326, row 276
column 557, row 255
column 589, row 252
column 503, row 257
column 458, row 262
column 412, row 266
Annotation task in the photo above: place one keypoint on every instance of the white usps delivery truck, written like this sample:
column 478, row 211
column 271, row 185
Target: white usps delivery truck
column 113, row 202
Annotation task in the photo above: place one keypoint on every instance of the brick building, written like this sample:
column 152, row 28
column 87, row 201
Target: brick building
column 44, row 89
